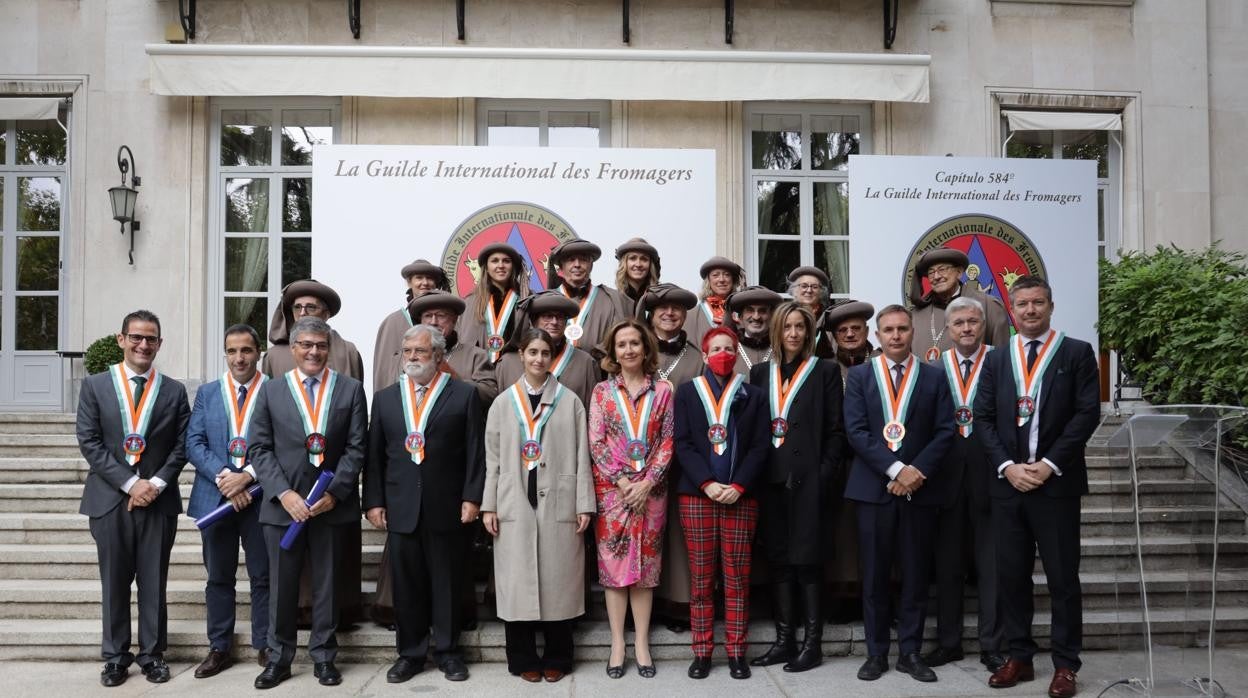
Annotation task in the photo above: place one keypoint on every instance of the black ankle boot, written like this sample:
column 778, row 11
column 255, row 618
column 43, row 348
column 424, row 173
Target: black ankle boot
column 784, row 648
column 811, row 654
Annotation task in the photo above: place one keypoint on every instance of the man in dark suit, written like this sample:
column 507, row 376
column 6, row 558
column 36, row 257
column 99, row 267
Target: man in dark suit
column 423, row 484
column 897, row 421
column 309, row 421
column 1037, row 405
column 965, row 515
column 131, row 426
column 216, row 437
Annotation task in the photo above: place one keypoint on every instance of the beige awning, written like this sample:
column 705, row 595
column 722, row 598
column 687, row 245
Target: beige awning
column 1062, row 121
column 29, row 108
column 534, row 73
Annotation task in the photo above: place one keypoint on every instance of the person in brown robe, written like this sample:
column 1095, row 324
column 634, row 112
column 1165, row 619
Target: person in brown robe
column 943, row 267
column 750, row 310
column 504, row 282
column 598, row 306
column 301, row 299
column 720, row 277
column 847, row 321
column 577, row 371
column 809, row 286
column 665, row 307
column 420, row 276
column 441, row 309
column 304, row 298
column 639, row 269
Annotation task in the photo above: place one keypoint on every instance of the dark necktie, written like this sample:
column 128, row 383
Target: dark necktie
column 966, row 370
column 1032, row 346
column 139, row 383
column 897, row 369
column 242, row 396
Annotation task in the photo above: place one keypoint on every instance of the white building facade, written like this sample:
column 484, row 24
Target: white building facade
column 221, row 128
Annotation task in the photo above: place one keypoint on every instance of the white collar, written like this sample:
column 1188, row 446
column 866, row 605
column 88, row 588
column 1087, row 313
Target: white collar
column 130, row 374
column 538, row 390
column 906, row 363
column 1042, row 338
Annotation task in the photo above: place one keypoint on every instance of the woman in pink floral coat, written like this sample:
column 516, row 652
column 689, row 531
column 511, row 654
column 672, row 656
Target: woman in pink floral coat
column 630, row 442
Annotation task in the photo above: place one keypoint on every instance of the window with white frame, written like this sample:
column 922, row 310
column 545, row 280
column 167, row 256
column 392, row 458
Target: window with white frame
column 261, row 204
column 797, row 188
column 1105, row 147
column 544, row 123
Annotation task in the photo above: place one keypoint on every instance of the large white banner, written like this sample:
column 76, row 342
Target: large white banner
column 377, row 208
column 1010, row 216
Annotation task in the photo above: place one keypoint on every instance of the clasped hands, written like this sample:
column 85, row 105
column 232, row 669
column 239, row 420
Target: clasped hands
column 907, row 482
column 233, row 486
column 299, row 509
column 634, row 493
column 1026, row 477
column 724, row 494
column 142, row 493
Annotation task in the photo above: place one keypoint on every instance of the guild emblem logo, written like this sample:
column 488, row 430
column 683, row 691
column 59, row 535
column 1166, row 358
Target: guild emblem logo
column 531, row 229
column 998, row 253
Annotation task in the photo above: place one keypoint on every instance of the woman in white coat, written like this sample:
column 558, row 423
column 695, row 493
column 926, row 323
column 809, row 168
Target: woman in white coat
column 539, row 497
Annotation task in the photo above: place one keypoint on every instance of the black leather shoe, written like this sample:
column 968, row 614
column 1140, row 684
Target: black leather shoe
column 404, row 669
column 913, row 665
column 646, row 671
column 615, row 672
column 272, row 676
column 992, row 660
column 943, row 655
column 327, row 673
column 454, row 669
column 700, row 668
column 873, row 668
column 784, row 648
column 216, row 662
column 156, row 671
column 114, row 675
column 738, row 668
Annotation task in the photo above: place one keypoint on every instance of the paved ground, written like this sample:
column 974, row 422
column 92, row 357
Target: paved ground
column 834, row 678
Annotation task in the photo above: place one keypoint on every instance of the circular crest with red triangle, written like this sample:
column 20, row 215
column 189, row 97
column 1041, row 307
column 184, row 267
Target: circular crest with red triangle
column 531, row 229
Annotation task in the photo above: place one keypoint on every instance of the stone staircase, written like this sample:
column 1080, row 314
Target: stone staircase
column 49, row 588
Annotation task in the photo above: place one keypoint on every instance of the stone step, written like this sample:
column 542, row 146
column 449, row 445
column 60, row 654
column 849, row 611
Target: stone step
column 78, row 639
column 1116, row 494
column 1195, row 520
column 36, row 470
column 37, row 423
column 1161, row 553
column 28, row 445
column 1154, row 467
column 41, row 528
column 79, row 561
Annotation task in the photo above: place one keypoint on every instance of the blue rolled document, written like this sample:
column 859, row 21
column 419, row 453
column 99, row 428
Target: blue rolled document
column 225, row 509
column 318, row 489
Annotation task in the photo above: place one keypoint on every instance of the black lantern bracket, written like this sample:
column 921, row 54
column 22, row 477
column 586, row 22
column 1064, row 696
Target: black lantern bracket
column 353, row 17
column 890, row 22
column 123, row 198
column 186, row 15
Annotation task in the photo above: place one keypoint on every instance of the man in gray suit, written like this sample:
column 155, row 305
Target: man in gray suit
column 131, row 430
column 309, row 420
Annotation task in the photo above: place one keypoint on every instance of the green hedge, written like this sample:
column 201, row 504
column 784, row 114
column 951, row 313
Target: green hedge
column 1179, row 321
column 102, row 353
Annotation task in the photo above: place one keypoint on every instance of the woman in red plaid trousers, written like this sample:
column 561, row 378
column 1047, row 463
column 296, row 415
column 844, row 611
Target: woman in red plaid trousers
column 721, row 444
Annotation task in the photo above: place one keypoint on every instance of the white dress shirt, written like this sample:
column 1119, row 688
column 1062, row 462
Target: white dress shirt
column 1033, row 426
column 130, row 374
column 895, row 468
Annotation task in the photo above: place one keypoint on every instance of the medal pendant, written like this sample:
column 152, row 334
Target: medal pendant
column 315, row 444
column 414, row 442
column 931, row 355
column 636, row 449
column 495, row 342
column 894, row 432
column 718, row 434
column 779, row 427
column 531, row 451
column 963, row 416
column 238, row 447
column 574, row 332
column 1026, row 406
column 134, row 444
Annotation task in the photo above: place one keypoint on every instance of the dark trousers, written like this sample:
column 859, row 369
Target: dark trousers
column 959, row 526
column 220, row 547
column 521, row 637
column 133, row 546
column 1022, row 524
column 896, row 530
column 320, row 545
column 427, row 572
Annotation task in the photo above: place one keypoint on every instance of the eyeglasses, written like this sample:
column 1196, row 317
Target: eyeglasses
column 939, row 269
column 137, row 339
column 309, row 346
column 809, row 287
column 420, row 352
column 437, row 315
column 308, row 308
